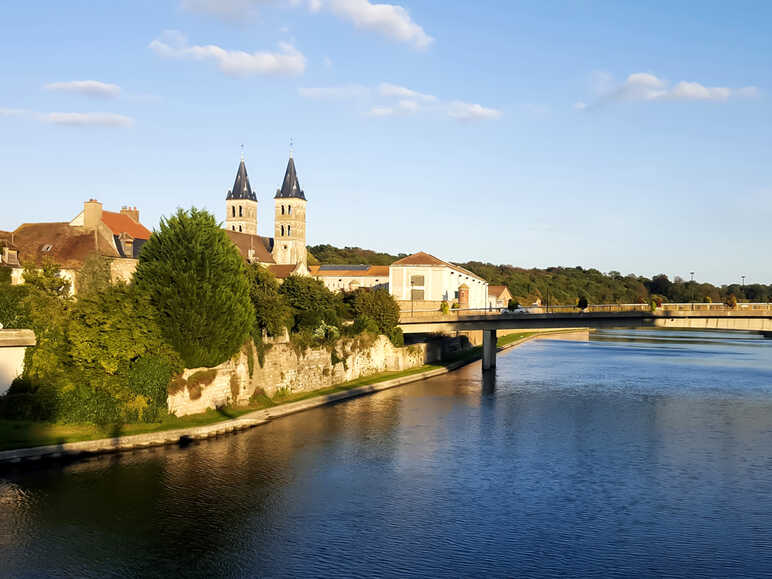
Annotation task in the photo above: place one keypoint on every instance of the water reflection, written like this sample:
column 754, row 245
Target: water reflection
column 607, row 458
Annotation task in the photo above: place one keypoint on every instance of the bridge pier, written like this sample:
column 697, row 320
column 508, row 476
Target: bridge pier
column 489, row 349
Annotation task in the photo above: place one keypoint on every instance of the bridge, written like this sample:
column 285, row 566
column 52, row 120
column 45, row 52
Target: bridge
column 745, row 317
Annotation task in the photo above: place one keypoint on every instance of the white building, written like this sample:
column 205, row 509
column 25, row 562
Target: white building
column 422, row 282
column 351, row 277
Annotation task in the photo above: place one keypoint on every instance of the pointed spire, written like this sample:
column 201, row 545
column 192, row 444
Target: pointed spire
column 291, row 185
column 241, row 187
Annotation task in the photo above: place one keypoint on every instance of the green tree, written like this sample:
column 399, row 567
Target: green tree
column 47, row 278
column 311, row 303
column 12, row 311
column 197, row 282
column 379, row 306
column 94, row 276
column 272, row 313
column 582, row 303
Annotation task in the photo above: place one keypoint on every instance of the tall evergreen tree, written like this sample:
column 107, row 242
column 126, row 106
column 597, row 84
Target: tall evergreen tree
column 197, row 281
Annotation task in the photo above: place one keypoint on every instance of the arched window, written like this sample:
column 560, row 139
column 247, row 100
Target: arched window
column 289, row 209
column 239, row 227
column 233, row 210
column 288, row 229
column 241, row 212
column 282, row 227
column 282, row 209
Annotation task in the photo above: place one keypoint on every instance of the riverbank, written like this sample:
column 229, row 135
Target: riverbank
column 35, row 441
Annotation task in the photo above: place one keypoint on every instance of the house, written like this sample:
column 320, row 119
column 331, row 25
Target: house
column 498, row 297
column 118, row 236
column 351, row 277
column 283, row 254
column 422, row 282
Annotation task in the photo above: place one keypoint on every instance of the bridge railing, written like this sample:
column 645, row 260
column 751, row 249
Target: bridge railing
column 599, row 308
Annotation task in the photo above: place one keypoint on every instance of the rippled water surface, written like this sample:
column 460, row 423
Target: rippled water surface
column 644, row 453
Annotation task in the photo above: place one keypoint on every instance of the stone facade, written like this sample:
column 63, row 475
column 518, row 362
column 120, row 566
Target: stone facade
column 286, row 370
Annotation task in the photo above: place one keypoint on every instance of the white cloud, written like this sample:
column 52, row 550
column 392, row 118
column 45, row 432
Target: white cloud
column 401, row 100
column 470, row 112
column 92, row 88
column 644, row 86
column 288, row 60
column 345, row 91
column 88, row 119
column 580, row 106
column 72, row 119
column 387, row 19
column 394, row 90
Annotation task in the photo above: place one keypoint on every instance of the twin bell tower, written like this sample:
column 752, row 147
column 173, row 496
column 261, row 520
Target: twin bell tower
column 289, row 231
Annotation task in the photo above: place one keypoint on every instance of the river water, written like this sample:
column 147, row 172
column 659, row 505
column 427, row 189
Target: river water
column 639, row 453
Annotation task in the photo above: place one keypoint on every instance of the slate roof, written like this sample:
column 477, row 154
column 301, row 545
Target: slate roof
column 119, row 223
column 260, row 245
column 290, row 188
column 241, row 187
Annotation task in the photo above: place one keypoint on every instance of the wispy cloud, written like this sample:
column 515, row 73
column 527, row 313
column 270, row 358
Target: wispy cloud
column 286, row 61
column 644, row 86
column 389, row 20
column 91, row 88
column 388, row 99
column 72, row 119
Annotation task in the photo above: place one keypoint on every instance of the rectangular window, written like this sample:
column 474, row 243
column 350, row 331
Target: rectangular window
column 417, row 280
column 417, row 295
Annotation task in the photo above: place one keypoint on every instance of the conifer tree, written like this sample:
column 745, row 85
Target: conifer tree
column 197, row 281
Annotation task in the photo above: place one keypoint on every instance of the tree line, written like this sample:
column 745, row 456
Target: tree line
column 567, row 285
column 110, row 354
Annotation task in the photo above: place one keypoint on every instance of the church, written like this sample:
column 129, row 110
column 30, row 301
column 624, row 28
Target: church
column 284, row 254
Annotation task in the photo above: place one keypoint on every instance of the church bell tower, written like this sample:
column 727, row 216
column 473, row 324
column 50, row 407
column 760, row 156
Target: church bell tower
column 241, row 204
column 289, row 245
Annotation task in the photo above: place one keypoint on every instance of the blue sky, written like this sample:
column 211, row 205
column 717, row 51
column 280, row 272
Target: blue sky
column 619, row 135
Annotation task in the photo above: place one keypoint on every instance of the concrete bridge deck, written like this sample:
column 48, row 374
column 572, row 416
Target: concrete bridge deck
column 744, row 317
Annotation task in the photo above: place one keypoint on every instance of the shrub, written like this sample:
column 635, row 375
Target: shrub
column 197, row 281
column 397, row 337
column 582, row 304
column 150, row 377
column 47, row 278
column 708, row 300
column 512, row 305
column 365, row 324
column 444, row 307
column 454, row 306
column 731, row 300
column 379, row 306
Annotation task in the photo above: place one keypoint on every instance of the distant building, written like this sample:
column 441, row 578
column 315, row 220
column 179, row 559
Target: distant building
column 422, row 282
column 498, row 296
column 351, row 277
column 284, row 253
column 118, row 236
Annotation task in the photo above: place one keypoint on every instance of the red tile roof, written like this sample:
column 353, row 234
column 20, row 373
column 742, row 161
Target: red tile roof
column 119, row 223
column 496, row 290
column 372, row 271
column 423, row 258
column 282, row 271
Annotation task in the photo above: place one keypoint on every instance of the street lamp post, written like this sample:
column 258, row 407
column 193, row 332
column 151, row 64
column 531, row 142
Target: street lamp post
column 691, row 274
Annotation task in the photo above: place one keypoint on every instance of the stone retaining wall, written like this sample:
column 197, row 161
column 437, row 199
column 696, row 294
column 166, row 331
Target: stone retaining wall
column 287, row 370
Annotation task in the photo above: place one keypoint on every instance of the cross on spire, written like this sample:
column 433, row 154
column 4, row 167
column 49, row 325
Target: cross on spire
column 292, row 146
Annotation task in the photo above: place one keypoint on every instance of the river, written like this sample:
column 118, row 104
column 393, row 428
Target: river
column 638, row 453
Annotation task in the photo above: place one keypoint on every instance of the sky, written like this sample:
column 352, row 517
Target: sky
column 624, row 136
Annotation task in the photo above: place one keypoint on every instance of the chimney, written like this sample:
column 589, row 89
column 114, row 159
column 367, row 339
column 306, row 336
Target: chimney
column 92, row 213
column 131, row 213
